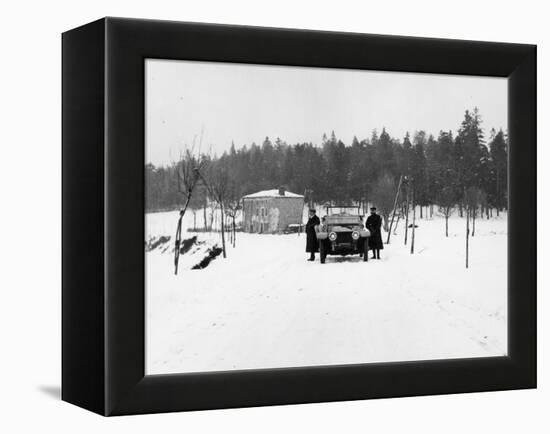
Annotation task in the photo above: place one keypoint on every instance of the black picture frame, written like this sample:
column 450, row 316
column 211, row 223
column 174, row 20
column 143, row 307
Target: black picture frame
column 103, row 216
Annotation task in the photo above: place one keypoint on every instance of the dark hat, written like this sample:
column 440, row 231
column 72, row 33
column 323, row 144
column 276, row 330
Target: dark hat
column 312, row 210
column 373, row 208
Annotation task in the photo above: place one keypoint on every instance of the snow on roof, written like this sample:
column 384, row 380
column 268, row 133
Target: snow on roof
column 271, row 193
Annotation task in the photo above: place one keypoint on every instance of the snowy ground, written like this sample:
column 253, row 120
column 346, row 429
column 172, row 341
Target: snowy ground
column 265, row 306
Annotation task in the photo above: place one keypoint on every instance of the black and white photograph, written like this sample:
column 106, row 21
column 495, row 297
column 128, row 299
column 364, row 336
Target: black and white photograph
column 305, row 216
column 275, row 217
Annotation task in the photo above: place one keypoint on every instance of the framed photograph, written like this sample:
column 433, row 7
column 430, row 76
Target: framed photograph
column 257, row 216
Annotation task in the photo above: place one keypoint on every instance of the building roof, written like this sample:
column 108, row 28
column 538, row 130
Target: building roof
column 271, row 193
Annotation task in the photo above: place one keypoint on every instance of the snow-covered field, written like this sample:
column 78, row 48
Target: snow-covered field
column 265, row 306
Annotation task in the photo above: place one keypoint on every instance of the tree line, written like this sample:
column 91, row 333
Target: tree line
column 446, row 171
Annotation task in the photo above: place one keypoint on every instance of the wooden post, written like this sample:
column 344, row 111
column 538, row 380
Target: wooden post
column 498, row 189
column 394, row 207
column 177, row 244
column 222, row 229
column 474, row 221
column 407, row 213
column 397, row 222
column 234, row 232
column 413, row 222
column 467, row 234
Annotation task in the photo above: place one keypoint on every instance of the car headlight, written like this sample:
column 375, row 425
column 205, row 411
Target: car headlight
column 332, row 236
column 355, row 235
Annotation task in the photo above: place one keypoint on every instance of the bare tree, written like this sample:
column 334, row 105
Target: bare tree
column 232, row 208
column 232, row 211
column 212, row 216
column 204, row 220
column 413, row 231
column 447, row 201
column 407, row 206
column 383, row 196
column 467, row 236
column 472, row 198
column 216, row 179
column 188, row 175
column 187, row 172
column 482, row 202
column 197, row 201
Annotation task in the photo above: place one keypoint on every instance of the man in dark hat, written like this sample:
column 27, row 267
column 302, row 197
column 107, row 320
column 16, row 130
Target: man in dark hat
column 312, row 245
column 374, row 225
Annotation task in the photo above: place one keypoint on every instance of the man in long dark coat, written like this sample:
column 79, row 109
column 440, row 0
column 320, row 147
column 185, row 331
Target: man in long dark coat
column 374, row 225
column 312, row 245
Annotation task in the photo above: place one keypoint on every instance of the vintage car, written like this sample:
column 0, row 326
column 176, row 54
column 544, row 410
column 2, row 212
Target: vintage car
column 342, row 232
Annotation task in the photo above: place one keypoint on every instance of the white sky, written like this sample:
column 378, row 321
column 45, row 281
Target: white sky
column 244, row 103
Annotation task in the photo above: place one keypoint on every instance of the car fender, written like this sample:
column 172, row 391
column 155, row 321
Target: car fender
column 322, row 235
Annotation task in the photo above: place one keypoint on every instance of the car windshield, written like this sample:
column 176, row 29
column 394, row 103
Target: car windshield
column 348, row 210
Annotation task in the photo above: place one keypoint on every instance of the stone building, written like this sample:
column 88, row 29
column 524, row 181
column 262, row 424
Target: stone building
column 272, row 211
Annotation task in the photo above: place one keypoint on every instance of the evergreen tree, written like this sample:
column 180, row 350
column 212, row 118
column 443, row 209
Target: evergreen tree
column 384, row 154
column 499, row 180
column 418, row 168
column 470, row 149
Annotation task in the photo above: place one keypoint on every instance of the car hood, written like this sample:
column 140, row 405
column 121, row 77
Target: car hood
column 343, row 220
column 336, row 228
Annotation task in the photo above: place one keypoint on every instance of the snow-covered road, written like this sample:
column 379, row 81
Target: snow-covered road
column 265, row 306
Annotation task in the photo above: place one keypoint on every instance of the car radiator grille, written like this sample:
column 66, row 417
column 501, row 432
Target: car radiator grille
column 344, row 238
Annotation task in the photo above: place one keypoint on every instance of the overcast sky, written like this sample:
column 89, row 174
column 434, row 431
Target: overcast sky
column 246, row 103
